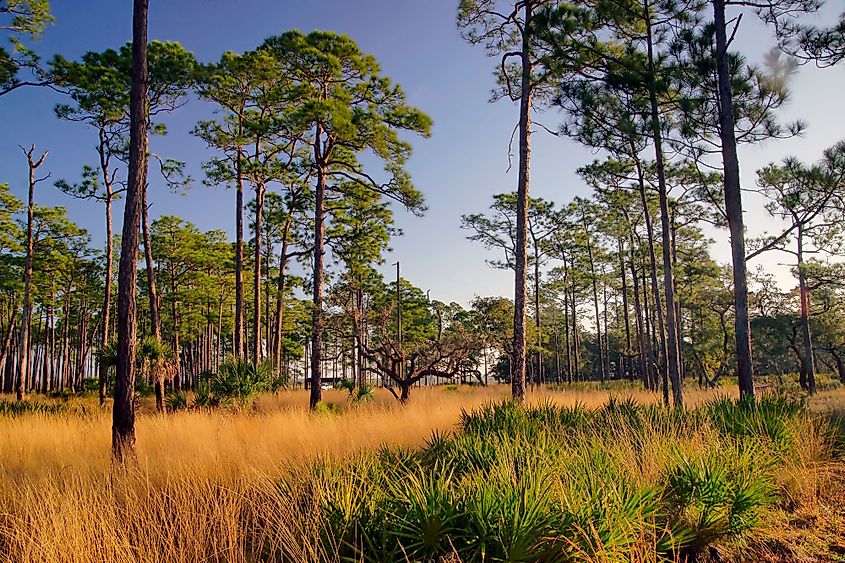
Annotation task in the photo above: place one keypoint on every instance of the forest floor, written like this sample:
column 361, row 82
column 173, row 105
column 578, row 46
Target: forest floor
column 273, row 482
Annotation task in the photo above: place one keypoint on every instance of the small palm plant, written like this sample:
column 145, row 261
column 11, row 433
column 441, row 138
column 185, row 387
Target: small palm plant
column 240, row 380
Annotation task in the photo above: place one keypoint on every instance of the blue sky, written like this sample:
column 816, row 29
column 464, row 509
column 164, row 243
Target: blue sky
column 417, row 44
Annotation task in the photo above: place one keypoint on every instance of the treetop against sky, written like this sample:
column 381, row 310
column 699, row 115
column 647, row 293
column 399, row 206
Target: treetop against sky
column 418, row 45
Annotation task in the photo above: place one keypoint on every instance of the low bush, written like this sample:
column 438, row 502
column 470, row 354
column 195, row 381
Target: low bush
column 547, row 483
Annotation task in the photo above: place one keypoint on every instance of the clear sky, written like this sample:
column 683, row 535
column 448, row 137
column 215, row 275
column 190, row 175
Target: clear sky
column 417, row 44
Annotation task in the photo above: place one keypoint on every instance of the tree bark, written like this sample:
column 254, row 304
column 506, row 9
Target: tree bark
column 733, row 205
column 123, row 420
column 103, row 370
column 256, row 280
column 672, row 349
column 806, row 332
column 152, row 293
column 319, row 241
column 280, row 300
column 239, row 255
column 518, row 363
column 26, row 326
column 659, row 330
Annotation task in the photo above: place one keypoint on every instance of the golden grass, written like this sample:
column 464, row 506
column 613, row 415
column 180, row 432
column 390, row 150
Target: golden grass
column 206, row 482
column 279, row 431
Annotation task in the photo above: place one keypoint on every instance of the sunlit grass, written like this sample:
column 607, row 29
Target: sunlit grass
column 227, row 485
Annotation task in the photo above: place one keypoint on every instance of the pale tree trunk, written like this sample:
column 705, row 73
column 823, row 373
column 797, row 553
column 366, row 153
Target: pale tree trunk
column 518, row 363
column 123, row 421
column 733, row 205
column 105, row 338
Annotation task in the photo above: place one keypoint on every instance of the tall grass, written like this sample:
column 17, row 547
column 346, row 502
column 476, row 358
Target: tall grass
column 460, row 476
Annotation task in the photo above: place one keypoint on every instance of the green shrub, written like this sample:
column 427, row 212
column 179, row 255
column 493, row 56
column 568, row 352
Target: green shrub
column 175, row 400
column 17, row 408
column 721, row 494
column 771, row 416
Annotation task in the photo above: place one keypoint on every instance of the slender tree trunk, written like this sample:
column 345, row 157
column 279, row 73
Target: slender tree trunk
column 659, row 329
column 518, row 363
column 673, row 352
column 319, row 240
column 239, row 255
column 5, row 349
column 566, row 323
column 602, row 374
column 256, row 280
column 280, row 300
column 123, row 423
column 103, row 370
column 627, row 367
column 152, row 294
column 26, row 326
column 642, row 338
column 537, row 318
column 733, row 204
column 806, row 332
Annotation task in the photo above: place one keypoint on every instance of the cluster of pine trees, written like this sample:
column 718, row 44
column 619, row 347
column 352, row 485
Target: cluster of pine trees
column 622, row 284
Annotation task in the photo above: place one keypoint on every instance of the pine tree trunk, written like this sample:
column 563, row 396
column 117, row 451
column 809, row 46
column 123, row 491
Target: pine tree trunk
column 239, row 255
column 280, row 302
column 256, row 279
column 26, row 325
column 672, row 348
column 105, row 338
column 806, row 332
column 733, row 204
column 319, row 241
column 518, row 362
column 659, row 328
column 123, row 422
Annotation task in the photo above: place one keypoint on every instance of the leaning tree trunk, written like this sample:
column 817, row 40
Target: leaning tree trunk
column 123, row 420
column 733, row 204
